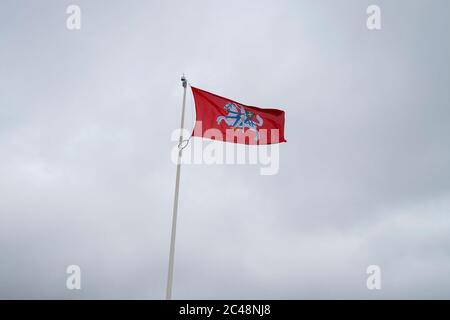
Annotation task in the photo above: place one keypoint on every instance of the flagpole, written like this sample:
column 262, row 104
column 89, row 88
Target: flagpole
column 175, row 200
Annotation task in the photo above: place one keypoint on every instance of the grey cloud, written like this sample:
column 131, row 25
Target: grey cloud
column 86, row 176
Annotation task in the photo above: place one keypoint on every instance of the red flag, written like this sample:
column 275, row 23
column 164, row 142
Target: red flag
column 220, row 118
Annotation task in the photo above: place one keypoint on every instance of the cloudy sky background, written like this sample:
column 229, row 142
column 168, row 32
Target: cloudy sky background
column 86, row 176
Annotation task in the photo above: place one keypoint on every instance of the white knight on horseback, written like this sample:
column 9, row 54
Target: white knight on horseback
column 241, row 118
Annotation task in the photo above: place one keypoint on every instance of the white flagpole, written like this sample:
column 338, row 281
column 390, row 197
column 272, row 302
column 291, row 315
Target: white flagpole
column 175, row 200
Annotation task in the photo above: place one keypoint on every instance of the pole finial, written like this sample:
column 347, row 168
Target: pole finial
column 183, row 81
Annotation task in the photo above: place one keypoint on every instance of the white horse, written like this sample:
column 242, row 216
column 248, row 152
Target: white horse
column 241, row 118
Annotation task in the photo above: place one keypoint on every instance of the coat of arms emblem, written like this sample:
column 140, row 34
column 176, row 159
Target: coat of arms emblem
column 240, row 118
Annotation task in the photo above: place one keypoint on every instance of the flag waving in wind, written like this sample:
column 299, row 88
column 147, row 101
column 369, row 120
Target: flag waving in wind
column 223, row 119
column 220, row 118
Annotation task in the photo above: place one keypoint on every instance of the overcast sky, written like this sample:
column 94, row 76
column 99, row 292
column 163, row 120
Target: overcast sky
column 86, row 176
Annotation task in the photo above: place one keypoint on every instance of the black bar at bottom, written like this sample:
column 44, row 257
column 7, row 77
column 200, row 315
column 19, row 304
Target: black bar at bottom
column 225, row 309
